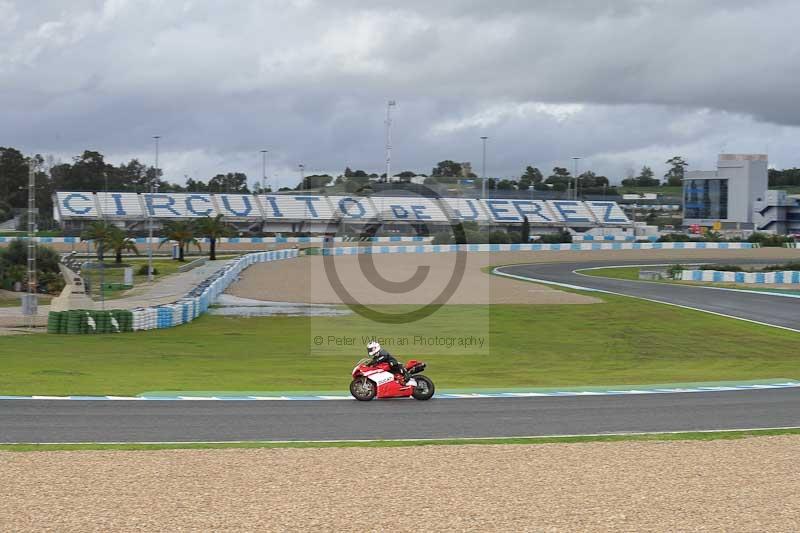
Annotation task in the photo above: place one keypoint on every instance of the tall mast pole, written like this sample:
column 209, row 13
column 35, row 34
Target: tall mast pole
column 389, row 106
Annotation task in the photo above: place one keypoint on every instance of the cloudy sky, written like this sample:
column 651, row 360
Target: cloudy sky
column 620, row 83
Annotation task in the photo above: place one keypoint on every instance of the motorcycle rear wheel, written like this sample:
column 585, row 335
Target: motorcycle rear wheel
column 424, row 389
column 363, row 389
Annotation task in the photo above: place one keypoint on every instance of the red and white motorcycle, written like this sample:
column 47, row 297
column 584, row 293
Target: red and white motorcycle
column 377, row 381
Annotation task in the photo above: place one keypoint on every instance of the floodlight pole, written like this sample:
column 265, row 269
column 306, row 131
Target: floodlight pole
column 483, row 169
column 575, row 166
column 31, row 289
column 389, row 105
column 150, row 218
column 264, row 169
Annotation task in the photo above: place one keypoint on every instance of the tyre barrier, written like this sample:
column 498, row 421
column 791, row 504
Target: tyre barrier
column 84, row 322
column 195, row 303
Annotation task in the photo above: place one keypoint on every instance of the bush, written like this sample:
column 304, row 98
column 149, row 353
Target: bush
column 778, row 268
column 561, row 237
column 767, row 240
column 499, row 237
column 477, row 237
column 674, row 271
column 143, row 271
column 726, row 268
column 675, row 237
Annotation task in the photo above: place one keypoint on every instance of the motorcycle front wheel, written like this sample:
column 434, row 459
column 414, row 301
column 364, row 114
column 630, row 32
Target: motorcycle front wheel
column 363, row 389
column 424, row 389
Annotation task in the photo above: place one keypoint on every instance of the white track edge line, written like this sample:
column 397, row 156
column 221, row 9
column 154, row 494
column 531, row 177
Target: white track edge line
column 579, row 272
column 425, row 439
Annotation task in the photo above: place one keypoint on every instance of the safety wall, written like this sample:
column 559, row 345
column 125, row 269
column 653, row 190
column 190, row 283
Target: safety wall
column 449, row 248
column 237, row 240
column 785, row 277
column 323, row 208
column 612, row 238
column 186, row 309
column 198, row 300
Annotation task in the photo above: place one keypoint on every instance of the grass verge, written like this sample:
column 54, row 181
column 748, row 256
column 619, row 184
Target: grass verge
column 618, row 342
column 635, row 437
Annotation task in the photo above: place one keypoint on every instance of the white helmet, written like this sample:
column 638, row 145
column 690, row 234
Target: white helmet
column 373, row 348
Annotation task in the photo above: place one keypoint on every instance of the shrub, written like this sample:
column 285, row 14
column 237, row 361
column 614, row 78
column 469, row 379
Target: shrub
column 767, row 240
column 674, row 237
column 726, row 268
column 143, row 271
column 561, row 237
column 778, row 268
column 476, row 237
column 499, row 237
column 674, row 271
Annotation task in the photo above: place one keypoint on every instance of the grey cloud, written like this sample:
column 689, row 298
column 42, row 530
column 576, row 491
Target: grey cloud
column 309, row 80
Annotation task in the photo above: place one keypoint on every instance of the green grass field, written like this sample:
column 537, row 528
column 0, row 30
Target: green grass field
column 630, row 273
column 640, row 437
column 621, row 341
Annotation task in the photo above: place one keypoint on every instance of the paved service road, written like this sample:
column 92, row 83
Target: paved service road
column 167, row 421
column 759, row 307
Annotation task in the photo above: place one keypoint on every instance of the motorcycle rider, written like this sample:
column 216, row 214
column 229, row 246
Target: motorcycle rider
column 379, row 355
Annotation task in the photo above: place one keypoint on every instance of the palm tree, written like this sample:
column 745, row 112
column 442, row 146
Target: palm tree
column 99, row 232
column 213, row 228
column 119, row 242
column 183, row 233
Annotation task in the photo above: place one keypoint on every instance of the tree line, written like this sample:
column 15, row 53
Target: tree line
column 90, row 172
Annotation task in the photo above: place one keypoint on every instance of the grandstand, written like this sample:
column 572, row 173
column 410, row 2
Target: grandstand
column 322, row 214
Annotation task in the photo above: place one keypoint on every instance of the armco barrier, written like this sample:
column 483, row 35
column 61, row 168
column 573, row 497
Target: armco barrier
column 449, row 248
column 194, row 304
column 612, row 238
column 233, row 240
column 784, row 277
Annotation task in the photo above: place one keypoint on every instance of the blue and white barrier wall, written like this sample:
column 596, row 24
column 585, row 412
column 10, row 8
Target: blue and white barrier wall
column 785, row 277
column 234, row 240
column 198, row 300
column 449, row 248
column 612, row 238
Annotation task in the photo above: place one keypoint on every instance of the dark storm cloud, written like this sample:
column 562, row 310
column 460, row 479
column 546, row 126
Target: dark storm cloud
column 622, row 83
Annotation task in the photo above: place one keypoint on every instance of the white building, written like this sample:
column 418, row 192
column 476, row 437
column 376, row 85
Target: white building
column 728, row 194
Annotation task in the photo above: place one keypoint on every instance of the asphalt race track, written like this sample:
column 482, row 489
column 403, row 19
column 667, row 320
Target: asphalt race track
column 170, row 421
column 758, row 307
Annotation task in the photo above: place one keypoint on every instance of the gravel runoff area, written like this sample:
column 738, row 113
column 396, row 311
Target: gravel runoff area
column 306, row 280
column 723, row 485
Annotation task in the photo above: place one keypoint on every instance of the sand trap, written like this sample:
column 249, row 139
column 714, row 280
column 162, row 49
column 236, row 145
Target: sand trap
column 308, row 280
column 742, row 485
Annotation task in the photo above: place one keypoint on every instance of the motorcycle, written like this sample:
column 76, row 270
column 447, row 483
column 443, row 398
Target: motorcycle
column 377, row 381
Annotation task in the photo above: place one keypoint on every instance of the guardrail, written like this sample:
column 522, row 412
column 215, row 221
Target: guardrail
column 783, row 277
column 450, row 248
column 234, row 240
column 185, row 310
column 192, row 265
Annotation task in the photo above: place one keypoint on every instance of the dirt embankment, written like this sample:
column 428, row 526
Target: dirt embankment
column 741, row 485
